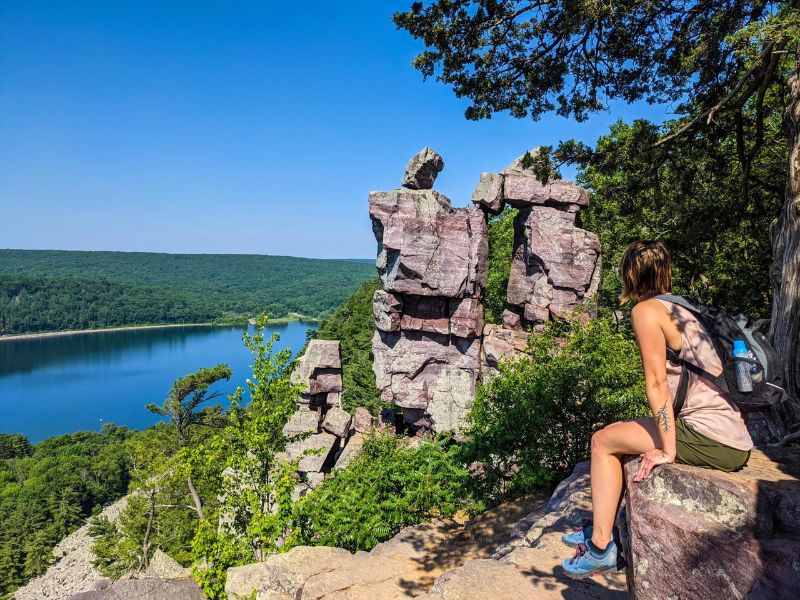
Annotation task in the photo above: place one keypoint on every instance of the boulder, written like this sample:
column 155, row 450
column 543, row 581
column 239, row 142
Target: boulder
column 146, row 587
column 428, row 371
column 705, row 534
column 500, row 343
column 427, row 248
column 523, row 191
column 364, row 576
column 317, row 369
column 325, row 381
column 422, row 170
column 362, row 420
column 272, row 595
column 333, row 399
column 337, row 422
column 350, row 451
column 165, row 567
column 466, row 317
column 313, row 452
column 305, row 420
column 489, row 193
column 283, row 573
column 421, row 313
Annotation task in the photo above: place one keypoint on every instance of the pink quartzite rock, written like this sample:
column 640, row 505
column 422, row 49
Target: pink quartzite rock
column 500, row 343
column 437, row 373
column 427, row 248
column 423, row 313
column 337, row 422
column 702, row 534
column 362, row 420
column 466, row 317
column 555, row 266
column 522, row 191
column 489, row 192
column 319, row 370
column 422, row 170
column 387, row 309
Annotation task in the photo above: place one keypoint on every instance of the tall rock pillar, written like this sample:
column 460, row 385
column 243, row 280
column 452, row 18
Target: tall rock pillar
column 432, row 260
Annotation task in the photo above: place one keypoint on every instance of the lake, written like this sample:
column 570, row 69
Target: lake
column 55, row 385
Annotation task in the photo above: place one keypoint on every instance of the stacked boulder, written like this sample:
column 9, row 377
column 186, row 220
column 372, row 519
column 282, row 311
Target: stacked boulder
column 432, row 260
column 319, row 413
column 430, row 345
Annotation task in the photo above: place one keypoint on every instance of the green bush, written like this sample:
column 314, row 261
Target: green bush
column 389, row 486
column 534, row 421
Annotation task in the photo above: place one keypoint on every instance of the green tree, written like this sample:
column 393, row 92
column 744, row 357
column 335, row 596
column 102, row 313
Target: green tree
column 185, row 397
column 245, row 459
column 715, row 60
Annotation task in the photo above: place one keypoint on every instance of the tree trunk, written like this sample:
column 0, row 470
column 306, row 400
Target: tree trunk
column 785, row 270
column 196, row 497
column 146, row 540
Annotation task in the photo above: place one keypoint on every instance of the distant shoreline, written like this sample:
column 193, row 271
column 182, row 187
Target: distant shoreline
column 46, row 334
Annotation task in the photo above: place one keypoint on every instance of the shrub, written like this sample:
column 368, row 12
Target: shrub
column 534, row 421
column 389, row 486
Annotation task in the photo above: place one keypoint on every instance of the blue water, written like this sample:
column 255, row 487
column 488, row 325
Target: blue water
column 50, row 386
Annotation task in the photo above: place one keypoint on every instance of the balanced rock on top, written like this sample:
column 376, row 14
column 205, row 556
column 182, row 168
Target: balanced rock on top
column 422, row 170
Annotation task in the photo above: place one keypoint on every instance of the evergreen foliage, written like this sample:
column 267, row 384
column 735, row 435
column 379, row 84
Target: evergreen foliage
column 534, row 421
column 45, row 494
column 690, row 197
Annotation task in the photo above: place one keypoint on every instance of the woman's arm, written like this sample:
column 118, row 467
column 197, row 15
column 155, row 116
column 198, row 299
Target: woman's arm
column 653, row 349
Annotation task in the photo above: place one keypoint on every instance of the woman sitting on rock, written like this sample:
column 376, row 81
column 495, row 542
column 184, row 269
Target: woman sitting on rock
column 708, row 432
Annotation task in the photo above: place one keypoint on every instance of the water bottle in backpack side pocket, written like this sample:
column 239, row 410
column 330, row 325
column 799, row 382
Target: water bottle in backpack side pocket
column 744, row 375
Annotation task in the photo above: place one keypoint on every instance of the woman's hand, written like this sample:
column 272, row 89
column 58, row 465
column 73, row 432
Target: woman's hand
column 650, row 459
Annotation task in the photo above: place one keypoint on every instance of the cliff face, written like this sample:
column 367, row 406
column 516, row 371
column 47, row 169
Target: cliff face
column 431, row 346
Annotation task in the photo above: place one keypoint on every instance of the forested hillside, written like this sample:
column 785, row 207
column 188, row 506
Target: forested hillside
column 56, row 290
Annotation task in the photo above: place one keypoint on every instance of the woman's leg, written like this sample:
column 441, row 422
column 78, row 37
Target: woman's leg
column 608, row 447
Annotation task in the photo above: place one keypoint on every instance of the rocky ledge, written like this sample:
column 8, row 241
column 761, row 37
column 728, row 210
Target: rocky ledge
column 701, row 534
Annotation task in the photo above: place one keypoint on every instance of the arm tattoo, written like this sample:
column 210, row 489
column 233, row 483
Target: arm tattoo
column 663, row 418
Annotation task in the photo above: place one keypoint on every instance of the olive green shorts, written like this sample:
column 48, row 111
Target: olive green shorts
column 696, row 449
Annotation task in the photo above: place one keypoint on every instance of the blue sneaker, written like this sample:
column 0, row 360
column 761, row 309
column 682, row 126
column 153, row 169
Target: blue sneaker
column 586, row 562
column 580, row 535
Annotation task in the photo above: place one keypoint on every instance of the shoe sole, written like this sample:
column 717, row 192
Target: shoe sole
column 592, row 573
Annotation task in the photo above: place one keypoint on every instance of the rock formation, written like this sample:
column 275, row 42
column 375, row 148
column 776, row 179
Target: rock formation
column 705, row 534
column 325, row 430
column 430, row 345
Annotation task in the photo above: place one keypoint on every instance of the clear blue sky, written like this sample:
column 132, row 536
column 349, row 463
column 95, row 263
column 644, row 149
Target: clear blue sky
column 230, row 126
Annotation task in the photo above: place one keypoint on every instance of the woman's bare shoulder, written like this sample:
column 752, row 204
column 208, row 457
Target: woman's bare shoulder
column 648, row 308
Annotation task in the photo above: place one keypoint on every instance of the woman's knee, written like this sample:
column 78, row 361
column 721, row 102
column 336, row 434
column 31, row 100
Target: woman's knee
column 600, row 440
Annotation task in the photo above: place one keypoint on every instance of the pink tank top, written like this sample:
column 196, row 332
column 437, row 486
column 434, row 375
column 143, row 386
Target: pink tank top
column 708, row 409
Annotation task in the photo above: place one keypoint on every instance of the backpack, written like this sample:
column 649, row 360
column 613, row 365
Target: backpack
column 723, row 329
